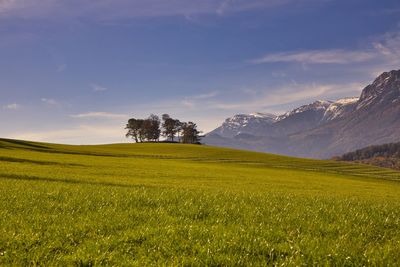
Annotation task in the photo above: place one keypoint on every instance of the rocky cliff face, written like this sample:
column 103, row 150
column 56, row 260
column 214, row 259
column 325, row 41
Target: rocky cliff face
column 324, row 128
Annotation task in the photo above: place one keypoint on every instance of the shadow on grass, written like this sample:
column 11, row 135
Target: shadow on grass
column 23, row 143
column 43, row 149
column 8, row 159
column 64, row 180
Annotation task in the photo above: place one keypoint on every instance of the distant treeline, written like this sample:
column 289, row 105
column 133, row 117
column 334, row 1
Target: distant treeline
column 386, row 150
column 153, row 128
column 387, row 155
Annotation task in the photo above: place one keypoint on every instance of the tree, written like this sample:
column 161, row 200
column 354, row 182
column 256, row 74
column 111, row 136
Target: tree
column 170, row 127
column 144, row 130
column 179, row 125
column 134, row 127
column 190, row 134
column 165, row 117
column 151, row 128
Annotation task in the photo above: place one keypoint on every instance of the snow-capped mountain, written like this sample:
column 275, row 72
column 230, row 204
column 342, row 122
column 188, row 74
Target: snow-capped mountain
column 340, row 108
column 301, row 118
column 319, row 105
column 245, row 123
column 323, row 128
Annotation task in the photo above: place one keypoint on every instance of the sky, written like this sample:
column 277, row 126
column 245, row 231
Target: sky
column 74, row 71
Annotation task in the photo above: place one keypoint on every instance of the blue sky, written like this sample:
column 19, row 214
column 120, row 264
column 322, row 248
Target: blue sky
column 73, row 71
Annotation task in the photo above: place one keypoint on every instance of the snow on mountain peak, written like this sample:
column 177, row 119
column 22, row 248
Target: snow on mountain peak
column 245, row 123
column 317, row 105
column 322, row 128
column 346, row 100
column 385, row 88
column 242, row 120
column 340, row 107
column 330, row 110
column 263, row 115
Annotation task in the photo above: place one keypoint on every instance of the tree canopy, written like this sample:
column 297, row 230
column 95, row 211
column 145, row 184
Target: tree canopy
column 152, row 128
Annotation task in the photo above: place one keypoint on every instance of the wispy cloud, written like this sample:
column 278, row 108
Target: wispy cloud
column 99, row 115
column 387, row 47
column 98, row 88
column 13, row 106
column 383, row 52
column 26, row 8
column 291, row 93
column 204, row 96
column 112, row 9
column 270, row 99
column 335, row 56
column 232, row 6
column 194, row 100
column 50, row 101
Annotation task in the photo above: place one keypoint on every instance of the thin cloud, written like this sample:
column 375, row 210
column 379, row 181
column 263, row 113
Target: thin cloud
column 119, row 9
column 387, row 48
column 50, row 101
column 250, row 100
column 279, row 74
column 188, row 103
column 335, row 56
column 195, row 100
column 223, row 7
column 233, row 6
column 26, row 8
column 383, row 54
column 205, row 96
column 292, row 93
column 99, row 115
column 13, row 106
column 98, row 88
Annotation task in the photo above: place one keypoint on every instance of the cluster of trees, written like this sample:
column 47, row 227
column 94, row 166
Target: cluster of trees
column 386, row 150
column 387, row 155
column 153, row 128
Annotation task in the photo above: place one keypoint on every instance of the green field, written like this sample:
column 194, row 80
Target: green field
column 172, row 204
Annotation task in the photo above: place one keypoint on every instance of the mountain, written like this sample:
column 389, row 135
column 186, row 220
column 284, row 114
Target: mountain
column 299, row 119
column 321, row 129
column 243, row 123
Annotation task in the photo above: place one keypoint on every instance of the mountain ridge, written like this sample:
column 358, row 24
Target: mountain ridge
column 321, row 129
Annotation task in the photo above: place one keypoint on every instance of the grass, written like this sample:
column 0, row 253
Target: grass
column 171, row 204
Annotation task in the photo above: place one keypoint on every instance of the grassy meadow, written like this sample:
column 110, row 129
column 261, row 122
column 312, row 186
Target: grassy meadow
column 172, row 204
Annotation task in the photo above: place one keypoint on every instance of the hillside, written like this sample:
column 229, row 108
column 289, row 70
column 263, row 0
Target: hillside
column 387, row 155
column 321, row 129
column 173, row 204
